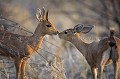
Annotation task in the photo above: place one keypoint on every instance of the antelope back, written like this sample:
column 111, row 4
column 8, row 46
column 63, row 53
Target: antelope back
column 44, row 25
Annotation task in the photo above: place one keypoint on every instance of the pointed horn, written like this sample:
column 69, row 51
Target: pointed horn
column 47, row 15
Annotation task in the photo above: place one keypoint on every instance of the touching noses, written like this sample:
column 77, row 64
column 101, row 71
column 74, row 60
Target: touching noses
column 56, row 32
column 59, row 34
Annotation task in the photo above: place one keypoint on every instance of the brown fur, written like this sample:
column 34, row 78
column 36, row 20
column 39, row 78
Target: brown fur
column 96, row 53
column 27, row 43
column 115, row 56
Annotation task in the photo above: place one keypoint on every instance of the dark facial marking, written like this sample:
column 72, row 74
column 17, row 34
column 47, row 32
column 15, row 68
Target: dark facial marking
column 48, row 25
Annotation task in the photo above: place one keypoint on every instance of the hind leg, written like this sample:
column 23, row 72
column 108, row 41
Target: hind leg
column 23, row 68
column 116, row 68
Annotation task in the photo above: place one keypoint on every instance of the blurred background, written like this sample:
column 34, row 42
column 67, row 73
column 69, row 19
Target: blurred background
column 68, row 62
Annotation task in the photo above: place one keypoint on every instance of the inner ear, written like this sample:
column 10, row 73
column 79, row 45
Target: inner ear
column 43, row 13
column 47, row 15
column 78, row 28
column 87, row 28
column 38, row 14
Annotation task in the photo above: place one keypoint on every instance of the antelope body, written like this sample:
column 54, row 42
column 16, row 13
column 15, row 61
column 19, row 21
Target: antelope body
column 97, row 54
column 33, row 42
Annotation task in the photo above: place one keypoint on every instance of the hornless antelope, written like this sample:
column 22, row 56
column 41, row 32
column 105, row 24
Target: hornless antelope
column 97, row 54
column 33, row 42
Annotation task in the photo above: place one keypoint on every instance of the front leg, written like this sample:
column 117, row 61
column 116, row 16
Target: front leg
column 18, row 67
column 23, row 69
column 116, row 68
column 115, row 59
column 101, row 71
column 94, row 72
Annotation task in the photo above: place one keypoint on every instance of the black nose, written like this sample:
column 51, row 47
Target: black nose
column 56, row 33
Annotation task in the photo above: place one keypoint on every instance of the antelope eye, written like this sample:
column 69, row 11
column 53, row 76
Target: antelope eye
column 65, row 32
column 48, row 25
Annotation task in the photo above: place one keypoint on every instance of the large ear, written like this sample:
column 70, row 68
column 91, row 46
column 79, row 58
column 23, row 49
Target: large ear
column 86, row 28
column 38, row 14
column 43, row 13
column 47, row 15
column 78, row 28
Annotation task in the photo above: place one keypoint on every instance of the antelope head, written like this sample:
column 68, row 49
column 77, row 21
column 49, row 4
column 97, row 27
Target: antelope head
column 44, row 25
column 73, row 33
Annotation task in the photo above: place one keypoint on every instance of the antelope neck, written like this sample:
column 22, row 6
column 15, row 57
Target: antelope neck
column 80, row 45
column 38, row 38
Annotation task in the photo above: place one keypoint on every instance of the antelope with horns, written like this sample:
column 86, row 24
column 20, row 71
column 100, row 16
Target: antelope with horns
column 33, row 42
column 97, row 54
column 115, row 53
